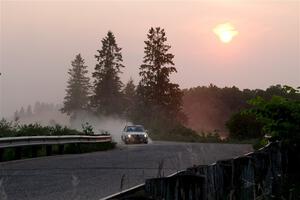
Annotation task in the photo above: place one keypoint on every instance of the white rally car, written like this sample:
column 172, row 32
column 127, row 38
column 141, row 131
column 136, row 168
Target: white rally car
column 134, row 134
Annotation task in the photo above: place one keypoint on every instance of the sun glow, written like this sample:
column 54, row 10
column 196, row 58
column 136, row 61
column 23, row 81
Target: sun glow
column 226, row 32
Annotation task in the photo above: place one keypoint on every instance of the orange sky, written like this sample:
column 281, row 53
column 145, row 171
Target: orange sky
column 39, row 39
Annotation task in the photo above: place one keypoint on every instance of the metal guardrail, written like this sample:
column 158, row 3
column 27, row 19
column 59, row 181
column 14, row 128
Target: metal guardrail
column 125, row 194
column 49, row 140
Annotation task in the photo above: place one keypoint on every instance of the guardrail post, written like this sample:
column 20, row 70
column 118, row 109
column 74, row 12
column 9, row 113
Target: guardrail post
column 61, row 149
column 1, row 154
column 78, row 148
column 18, row 152
column 48, row 150
column 34, row 150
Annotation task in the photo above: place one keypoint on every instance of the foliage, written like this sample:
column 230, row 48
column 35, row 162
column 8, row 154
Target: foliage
column 280, row 116
column 87, row 129
column 10, row 129
column 7, row 128
column 77, row 97
column 107, row 97
column 181, row 133
column 277, row 117
column 130, row 99
column 158, row 98
column 244, row 126
column 103, row 132
column 209, row 107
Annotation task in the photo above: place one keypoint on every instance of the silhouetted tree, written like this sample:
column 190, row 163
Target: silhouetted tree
column 129, row 98
column 28, row 111
column 158, row 94
column 77, row 97
column 16, row 116
column 209, row 107
column 107, row 97
column 22, row 112
column 37, row 107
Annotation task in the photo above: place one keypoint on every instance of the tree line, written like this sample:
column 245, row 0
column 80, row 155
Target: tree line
column 154, row 101
column 209, row 108
column 36, row 109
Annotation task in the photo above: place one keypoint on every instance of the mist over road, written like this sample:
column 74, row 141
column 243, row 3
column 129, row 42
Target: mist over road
column 95, row 175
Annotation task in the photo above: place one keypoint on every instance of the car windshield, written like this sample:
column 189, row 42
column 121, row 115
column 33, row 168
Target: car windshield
column 135, row 129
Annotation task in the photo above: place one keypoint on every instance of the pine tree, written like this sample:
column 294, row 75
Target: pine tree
column 155, row 88
column 129, row 98
column 16, row 115
column 77, row 97
column 107, row 97
column 22, row 113
column 29, row 111
column 37, row 108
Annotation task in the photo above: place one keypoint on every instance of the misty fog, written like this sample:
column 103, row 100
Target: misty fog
column 39, row 40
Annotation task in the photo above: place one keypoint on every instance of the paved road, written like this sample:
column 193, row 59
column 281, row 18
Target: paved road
column 98, row 174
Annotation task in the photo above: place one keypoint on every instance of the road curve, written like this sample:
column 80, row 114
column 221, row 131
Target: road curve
column 95, row 175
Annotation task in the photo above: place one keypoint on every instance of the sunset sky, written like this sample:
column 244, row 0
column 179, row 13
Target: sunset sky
column 39, row 40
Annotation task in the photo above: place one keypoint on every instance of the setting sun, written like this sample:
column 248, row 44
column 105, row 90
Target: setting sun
column 226, row 32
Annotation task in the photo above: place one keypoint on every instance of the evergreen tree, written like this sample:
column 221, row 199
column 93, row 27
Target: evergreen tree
column 129, row 98
column 107, row 97
column 22, row 113
column 16, row 115
column 77, row 97
column 155, row 89
column 29, row 111
column 37, row 107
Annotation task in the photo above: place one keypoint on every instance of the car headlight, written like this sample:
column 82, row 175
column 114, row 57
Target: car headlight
column 145, row 135
column 129, row 136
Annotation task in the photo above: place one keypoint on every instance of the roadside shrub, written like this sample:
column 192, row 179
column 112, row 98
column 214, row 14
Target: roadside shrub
column 244, row 126
column 104, row 133
column 7, row 129
column 59, row 130
column 87, row 129
column 211, row 138
column 32, row 130
column 181, row 133
column 13, row 129
column 280, row 116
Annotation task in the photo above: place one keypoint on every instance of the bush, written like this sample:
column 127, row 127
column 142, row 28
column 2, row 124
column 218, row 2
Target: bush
column 7, row 129
column 59, row 130
column 181, row 133
column 32, row 130
column 244, row 126
column 277, row 117
column 87, row 129
column 10, row 129
column 280, row 118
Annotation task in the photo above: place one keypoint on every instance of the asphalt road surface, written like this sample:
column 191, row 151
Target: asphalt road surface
column 99, row 174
